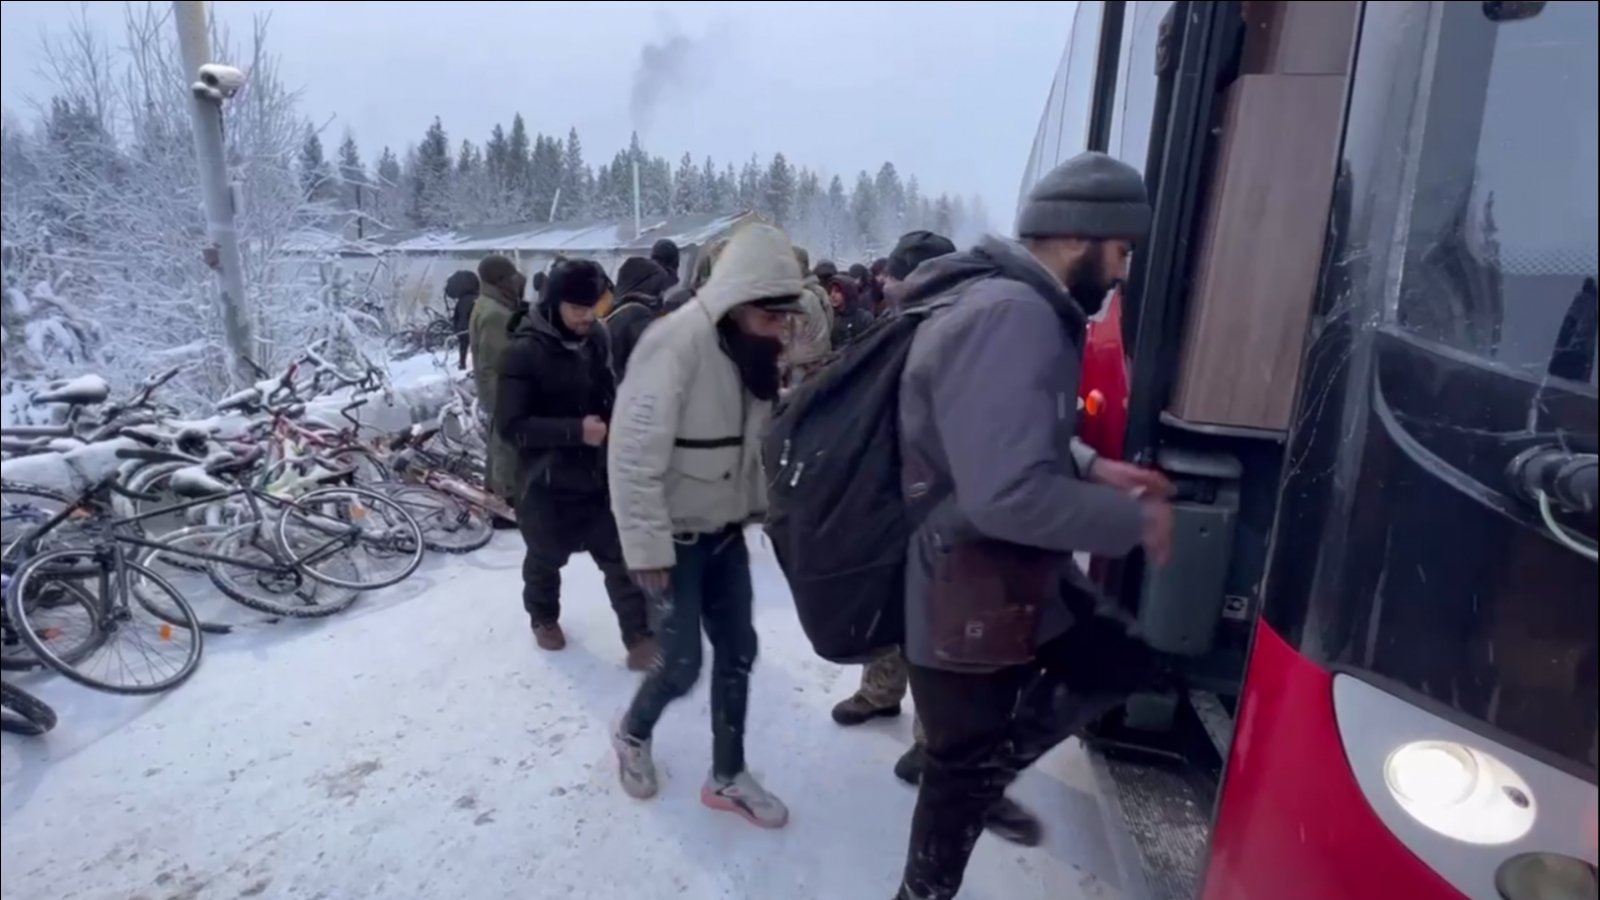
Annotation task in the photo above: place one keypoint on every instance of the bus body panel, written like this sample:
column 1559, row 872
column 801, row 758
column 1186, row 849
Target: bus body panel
column 1291, row 798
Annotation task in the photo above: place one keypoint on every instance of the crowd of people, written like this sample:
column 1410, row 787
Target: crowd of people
column 627, row 419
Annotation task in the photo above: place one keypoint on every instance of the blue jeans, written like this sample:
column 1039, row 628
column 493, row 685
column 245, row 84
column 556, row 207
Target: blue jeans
column 710, row 589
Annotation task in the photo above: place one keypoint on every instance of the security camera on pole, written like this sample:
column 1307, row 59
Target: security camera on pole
column 214, row 85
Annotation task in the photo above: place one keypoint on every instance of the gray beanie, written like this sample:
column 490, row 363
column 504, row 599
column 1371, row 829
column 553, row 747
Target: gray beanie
column 1091, row 196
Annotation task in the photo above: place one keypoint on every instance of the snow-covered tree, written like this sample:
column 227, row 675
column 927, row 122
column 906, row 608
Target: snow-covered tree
column 778, row 191
column 316, row 175
column 545, row 179
column 430, row 200
column 686, row 194
column 749, row 185
column 354, row 185
column 865, row 216
column 576, row 181
column 390, row 189
column 837, row 225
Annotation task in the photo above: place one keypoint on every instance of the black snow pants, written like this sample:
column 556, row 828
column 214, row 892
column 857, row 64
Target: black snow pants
column 554, row 526
column 983, row 730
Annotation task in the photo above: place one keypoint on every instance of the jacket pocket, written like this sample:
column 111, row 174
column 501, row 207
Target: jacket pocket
column 703, row 482
column 986, row 602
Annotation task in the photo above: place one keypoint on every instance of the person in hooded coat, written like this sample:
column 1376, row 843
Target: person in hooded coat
column 664, row 253
column 555, row 398
column 686, row 477
column 851, row 318
column 462, row 287
column 500, row 295
column 641, row 285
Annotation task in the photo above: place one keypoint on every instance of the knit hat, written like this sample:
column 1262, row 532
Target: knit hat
column 665, row 254
column 1091, row 196
column 642, row 276
column 914, row 249
column 580, row 282
column 461, row 284
column 825, row 271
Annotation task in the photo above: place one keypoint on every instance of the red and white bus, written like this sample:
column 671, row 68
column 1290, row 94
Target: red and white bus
column 1362, row 340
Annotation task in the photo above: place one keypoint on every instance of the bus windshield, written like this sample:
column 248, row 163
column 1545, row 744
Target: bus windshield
column 1457, row 331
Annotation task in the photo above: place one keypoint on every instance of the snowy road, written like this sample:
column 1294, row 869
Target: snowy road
column 419, row 748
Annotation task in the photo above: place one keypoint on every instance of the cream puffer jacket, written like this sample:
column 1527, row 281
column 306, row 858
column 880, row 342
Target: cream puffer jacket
column 685, row 445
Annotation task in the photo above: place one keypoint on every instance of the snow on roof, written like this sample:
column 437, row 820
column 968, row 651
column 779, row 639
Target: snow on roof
column 532, row 237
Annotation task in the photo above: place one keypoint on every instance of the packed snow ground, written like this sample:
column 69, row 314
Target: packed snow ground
column 420, row 748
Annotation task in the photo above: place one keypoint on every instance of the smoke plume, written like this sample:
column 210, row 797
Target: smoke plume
column 671, row 66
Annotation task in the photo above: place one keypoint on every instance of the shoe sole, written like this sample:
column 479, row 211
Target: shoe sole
column 851, row 721
column 717, row 802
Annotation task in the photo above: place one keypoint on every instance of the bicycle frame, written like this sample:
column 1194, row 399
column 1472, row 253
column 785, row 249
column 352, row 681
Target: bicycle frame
column 253, row 498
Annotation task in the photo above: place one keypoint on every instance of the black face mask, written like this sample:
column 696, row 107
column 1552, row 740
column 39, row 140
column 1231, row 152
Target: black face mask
column 1088, row 282
column 755, row 357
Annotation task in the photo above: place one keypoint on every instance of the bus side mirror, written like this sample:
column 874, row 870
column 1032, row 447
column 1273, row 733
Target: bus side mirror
column 1512, row 10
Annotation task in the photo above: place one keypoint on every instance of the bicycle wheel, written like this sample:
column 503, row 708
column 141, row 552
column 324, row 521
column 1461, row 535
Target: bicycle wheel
column 189, row 574
column 169, row 653
column 376, row 532
column 23, row 713
column 65, row 614
column 449, row 524
column 264, row 578
column 364, row 466
column 27, row 506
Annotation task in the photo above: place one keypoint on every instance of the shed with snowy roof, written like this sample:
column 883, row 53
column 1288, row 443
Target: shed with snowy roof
column 419, row 261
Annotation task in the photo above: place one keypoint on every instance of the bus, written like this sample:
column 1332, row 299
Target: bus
column 1361, row 340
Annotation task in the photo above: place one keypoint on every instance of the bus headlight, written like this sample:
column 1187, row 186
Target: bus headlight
column 1460, row 792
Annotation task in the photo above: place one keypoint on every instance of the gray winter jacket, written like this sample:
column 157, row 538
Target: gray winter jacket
column 988, row 409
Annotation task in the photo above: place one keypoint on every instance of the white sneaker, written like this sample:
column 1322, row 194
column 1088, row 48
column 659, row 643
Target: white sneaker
column 636, row 768
column 746, row 797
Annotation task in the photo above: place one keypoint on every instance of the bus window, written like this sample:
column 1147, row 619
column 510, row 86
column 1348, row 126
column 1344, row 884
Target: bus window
column 1501, row 257
column 1135, row 107
column 1064, row 128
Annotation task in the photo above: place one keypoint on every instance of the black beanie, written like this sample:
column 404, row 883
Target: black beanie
column 1091, row 196
column 825, row 271
column 580, row 282
column 461, row 284
column 914, row 249
column 665, row 254
column 642, row 276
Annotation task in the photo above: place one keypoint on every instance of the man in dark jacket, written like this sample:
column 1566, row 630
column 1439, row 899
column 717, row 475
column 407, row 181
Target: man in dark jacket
column 641, row 284
column 664, row 253
column 555, row 397
column 1008, row 655
column 462, row 287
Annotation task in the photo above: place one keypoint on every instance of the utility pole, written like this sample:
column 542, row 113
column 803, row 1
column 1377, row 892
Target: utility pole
column 194, row 43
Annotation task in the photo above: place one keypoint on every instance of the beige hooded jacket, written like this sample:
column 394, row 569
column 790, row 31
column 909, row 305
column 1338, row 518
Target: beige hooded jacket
column 685, row 443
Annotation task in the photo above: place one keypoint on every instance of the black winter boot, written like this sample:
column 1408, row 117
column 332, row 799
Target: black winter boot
column 1010, row 821
column 908, row 767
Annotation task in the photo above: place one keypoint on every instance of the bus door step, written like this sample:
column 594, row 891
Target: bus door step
column 1158, row 819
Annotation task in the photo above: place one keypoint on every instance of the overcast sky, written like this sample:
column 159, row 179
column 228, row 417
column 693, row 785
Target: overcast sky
column 949, row 91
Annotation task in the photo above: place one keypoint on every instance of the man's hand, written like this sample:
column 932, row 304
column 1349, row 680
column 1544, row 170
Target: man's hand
column 1157, row 538
column 1136, row 480
column 654, row 582
column 594, row 431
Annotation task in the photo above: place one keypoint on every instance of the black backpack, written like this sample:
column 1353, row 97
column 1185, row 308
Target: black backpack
column 836, row 516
